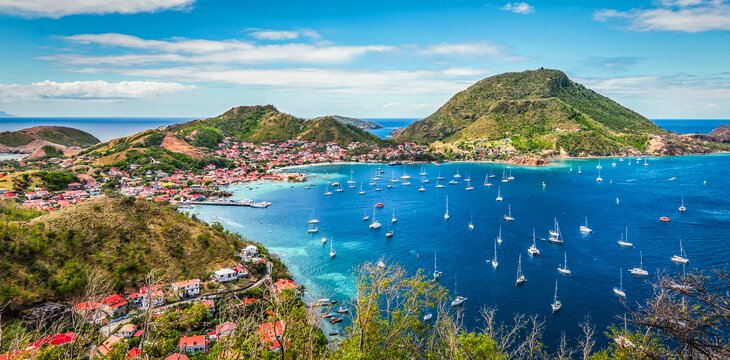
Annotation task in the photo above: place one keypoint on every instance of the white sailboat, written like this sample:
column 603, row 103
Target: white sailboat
column 393, row 219
column 579, row 172
column 458, row 300
column 681, row 207
column 682, row 257
column 557, row 304
column 351, row 181
column 599, row 167
column 405, row 176
column 554, row 231
column 625, row 242
column 362, row 192
column 510, row 177
column 499, row 197
column 389, row 233
column 365, row 216
column 312, row 229
column 423, row 171
column 508, row 215
column 619, row 291
column 639, row 271
column 439, row 177
column 494, row 259
column 613, row 164
column 421, row 189
column 324, row 239
column 499, row 237
column 392, row 177
column 618, row 201
column 327, row 191
column 599, row 178
column 645, row 164
column 564, row 269
column 436, row 273
column 446, row 214
column 491, row 175
column 313, row 219
column 332, row 248
column 375, row 224
column 584, row 229
column 468, row 185
column 557, row 238
column 457, row 175
column 486, row 181
column 521, row 279
column 504, row 177
column 471, row 221
column 533, row 250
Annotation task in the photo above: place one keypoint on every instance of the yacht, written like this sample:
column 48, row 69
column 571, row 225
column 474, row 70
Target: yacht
column 324, row 239
column 564, row 269
column 377, row 188
column 332, row 248
column 427, row 317
column 468, row 185
column 458, row 300
column 389, row 234
column 520, row 276
column 494, row 259
column 682, row 257
column 491, row 174
column 339, row 189
column 504, row 177
column 421, row 189
column 313, row 219
column 619, row 291
column 467, row 178
column 533, row 250
column 639, row 271
column 446, row 214
column 365, row 216
column 392, row 177
column 579, row 172
column 486, row 181
column 556, row 305
column 645, row 164
column 625, row 242
column 436, row 273
column 405, row 176
column 599, row 167
column 312, row 229
column 499, row 194
column 599, row 178
column 510, row 177
column 327, row 191
column 681, row 207
column 393, row 219
column 453, row 182
column 439, row 177
column 584, row 229
column 499, row 237
column 375, row 224
column 457, row 175
column 423, row 171
column 439, row 185
column 613, row 164
column 554, row 231
column 471, row 221
column 351, row 181
column 557, row 238
column 508, row 215
column 362, row 192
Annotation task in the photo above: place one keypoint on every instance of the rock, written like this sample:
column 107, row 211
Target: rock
column 721, row 133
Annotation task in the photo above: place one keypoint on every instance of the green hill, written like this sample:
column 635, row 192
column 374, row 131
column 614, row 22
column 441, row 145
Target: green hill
column 59, row 135
column 540, row 110
column 359, row 123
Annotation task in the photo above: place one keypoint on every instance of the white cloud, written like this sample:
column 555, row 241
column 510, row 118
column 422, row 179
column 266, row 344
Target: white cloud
column 264, row 34
column 674, row 15
column 522, row 8
column 480, row 48
column 61, row 8
column 89, row 90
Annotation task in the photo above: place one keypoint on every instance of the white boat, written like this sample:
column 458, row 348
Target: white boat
column 579, row 172
column 613, row 164
column 618, row 201
column 564, row 269
column 365, row 216
column 468, row 177
column 351, row 181
column 389, row 234
column 491, row 175
column 453, row 182
column 494, row 259
column 533, row 250
column 584, row 229
column 421, row 189
column 425, row 181
column 446, row 214
column 313, row 219
column 468, row 185
column 362, row 192
column 339, row 189
column 557, row 238
column 599, row 178
column 681, row 207
column 312, row 229
column 619, row 291
column 682, row 257
column 544, row 185
column 504, row 177
column 392, row 177
column 508, row 215
column 332, row 248
column 499, row 237
column 571, row 167
column 427, row 317
column 554, row 231
column 439, row 185
column 375, row 224
column 556, row 305
column 645, row 164
column 389, row 186
column 406, row 183
column 324, row 239
column 625, row 242
column 499, row 197
column 423, row 171
column 521, row 279
column 471, row 221
column 327, row 191
column 439, row 177
column 599, row 167
column 510, row 177
column 457, row 175
column 377, row 188
column 405, row 176
column 436, row 273
column 458, row 300
column 639, row 271
column 393, row 219
column 486, row 181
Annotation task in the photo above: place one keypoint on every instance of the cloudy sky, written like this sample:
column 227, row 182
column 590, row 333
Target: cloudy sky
column 404, row 58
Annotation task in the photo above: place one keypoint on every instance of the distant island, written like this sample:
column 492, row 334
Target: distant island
column 359, row 123
column 3, row 114
column 41, row 141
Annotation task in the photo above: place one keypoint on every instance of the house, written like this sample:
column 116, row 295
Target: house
column 114, row 305
column 271, row 334
column 224, row 329
column 91, row 311
column 187, row 288
column 177, row 357
column 127, row 331
column 284, row 284
column 209, row 304
column 106, row 346
column 133, row 353
column 193, row 344
column 241, row 272
column 75, row 186
column 225, row 275
column 53, row 340
column 250, row 251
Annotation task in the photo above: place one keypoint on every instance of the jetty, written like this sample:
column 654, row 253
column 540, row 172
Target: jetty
column 228, row 202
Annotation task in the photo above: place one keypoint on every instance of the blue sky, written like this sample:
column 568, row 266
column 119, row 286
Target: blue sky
column 663, row 58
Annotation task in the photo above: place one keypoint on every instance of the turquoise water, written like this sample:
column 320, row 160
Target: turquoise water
column 691, row 126
column 645, row 193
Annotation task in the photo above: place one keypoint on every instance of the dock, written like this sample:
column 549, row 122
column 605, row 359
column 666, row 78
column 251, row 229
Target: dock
column 245, row 202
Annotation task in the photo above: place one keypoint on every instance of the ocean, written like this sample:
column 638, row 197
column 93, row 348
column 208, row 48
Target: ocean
column 645, row 193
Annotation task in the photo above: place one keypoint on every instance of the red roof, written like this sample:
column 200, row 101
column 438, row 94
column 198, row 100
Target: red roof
column 269, row 331
column 194, row 340
column 177, row 357
column 138, row 333
column 55, row 340
column 114, row 301
column 283, row 284
column 133, row 353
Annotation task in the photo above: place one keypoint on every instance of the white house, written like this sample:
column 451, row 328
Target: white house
column 225, row 275
column 187, row 288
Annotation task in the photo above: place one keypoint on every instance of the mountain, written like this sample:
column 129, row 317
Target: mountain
column 47, row 257
column 263, row 123
column 40, row 140
column 721, row 133
column 359, row 123
column 535, row 111
column 3, row 114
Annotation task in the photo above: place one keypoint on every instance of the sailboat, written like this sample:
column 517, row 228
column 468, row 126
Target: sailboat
column 324, row 239
column 499, row 237
column 439, row 177
column 599, row 167
column 327, row 191
column 499, row 194
column 504, row 177
column 682, row 257
column 486, row 181
column 365, row 216
column 556, row 305
column 312, row 229
column 392, row 177
column 457, row 175
column 351, row 181
column 494, row 259
column 423, row 171
column 405, row 176
column 312, row 219
column 645, row 164
column 446, row 214
column 436, row 273
column 613, row 164
column 458, row 300
column 584, row 229
column 599, row 178
column 362, row 192
column 439, row 185
column 579, row 172
column 389, row 233
column 393, row 219
column 332, row 248
column 554, row 232
column 681, row 207
column 520, row 276
column 375, row 224
column 510, row 177
column 468, row 177
column 557, row 238
column 491, row 175
column 533, row 251
column 618, row 201
column 619, row 291
column 471, row 221
column 508, row 215
column 625, row 242
column 468, row 185
column 639, row 271
column 564, row 269
column 421, row 189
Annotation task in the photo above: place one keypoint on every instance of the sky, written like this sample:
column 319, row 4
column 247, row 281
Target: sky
column 372, row 59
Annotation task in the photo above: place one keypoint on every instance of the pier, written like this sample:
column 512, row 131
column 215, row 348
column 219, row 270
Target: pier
column 246, row 202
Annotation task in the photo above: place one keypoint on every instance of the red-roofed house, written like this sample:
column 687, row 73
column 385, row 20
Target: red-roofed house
column 271, row 334
column 54, row 340
column 127, row 331
column 177, row 357
column 209, row 304
column 114, row 305
column 106, row 346
column 283, row 284
column 133, row 353
column 224, row 329
column 187, row 288
column 193, row 344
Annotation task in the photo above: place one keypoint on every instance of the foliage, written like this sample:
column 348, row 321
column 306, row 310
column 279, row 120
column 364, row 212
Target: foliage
column 56, row 180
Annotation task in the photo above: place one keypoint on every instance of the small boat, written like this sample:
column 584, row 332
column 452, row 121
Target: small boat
column 556, row 305
column 343, row 310
column 389, row 186
column 554, row 231
column 324, row 239
column 313, row 219
column 335, row 320
column 333, row 252
column 471, row 221
column 533, row 250
column 425, row 181
column 378, row 188
column 457, row 175
column 682, row 257
column 351, row 181
column 639, row 271
column 499, row 197
column 405, row 176
column 392, row 177
column 375, row 224
column 393, row 219
column 339, row 189
column 427, row 317
column 494, row 259
column 665, row 219
column 625, row 242
column 510, row 177
column 389, row 234
column 423, row 171
column 521, row 279
column 557, row 238
column 327, row 315
column 544, row 185
column 468, row 185
column 327, row 191
column 379, row 205
column 499, row 236
column 362, row 192
column 467, row 178
column 618, row 201
column 579, row 172
column 335, row 184
column 333, row 333
column 645, row 164
column 380, row 264
column 681, row 207
column 439, row 185
column 599, row 178
column 453, row 182
column 406, row 183
column 619, row 291
column 436, row 273
column 491, row 175
column 365, row 216
column 613, row 164
column 584, row 229
column 439, row 177
column 564, row 269
column 421, row 189
column 458, row 300
column 486, row 181
column 504, row 177
column 508, row 215
column 446, row 214
column 599, row 167
column 312, row 229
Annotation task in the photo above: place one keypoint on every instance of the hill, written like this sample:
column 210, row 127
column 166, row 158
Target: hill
column 535, row 111
column 263, row 123
column 49, row 256
column 359, row 123
column 3, row 114
column 41, row 140
column 721, row 133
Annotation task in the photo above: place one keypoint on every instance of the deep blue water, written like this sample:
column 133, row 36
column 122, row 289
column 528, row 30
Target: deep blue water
column 691, row 126
column 645, row 194
column 103, row 128
column 389, row 125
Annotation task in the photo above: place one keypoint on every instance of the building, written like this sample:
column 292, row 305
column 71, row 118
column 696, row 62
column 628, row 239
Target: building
column 283, row 284
column 177, row 357
column 193, row 344
column 271, row 334
column 127, row 331
column 114, row 305
column 106, row 346
column 224, row 329
column 225, row 275
column 187, row 288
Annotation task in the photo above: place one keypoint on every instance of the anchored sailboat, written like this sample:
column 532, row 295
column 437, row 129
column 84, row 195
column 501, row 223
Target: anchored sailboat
column 520, row 276
column 681, row 207
column 556, row 305
column 508, row 215
column 499, row 237
column 313, row 219
column 458, row 300
column 625, row 242
column 332, row 248
column 682, row 257
column 436, row 273
column 555, row 236
column 564, row 269
column 375, row 224
column 532, row 250
column 446, row 214
column 494, row 259
column 499, row 194
column 639, row 271
column 619, row 291
column 584, row 229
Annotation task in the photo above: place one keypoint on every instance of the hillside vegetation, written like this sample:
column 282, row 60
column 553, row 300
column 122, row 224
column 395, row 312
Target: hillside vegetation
column 50, row 256
column 535, row 110
column 59, row 135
